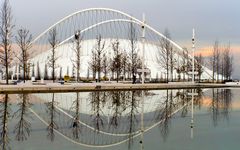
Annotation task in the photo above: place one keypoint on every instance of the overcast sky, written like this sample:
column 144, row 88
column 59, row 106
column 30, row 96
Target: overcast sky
column 212, row 19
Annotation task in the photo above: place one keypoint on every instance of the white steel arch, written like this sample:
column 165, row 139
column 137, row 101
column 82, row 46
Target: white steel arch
column 110, row 10
column 98, row 24
column 130, row 20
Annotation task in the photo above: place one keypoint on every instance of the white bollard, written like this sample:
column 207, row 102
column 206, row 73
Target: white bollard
column 33, row 79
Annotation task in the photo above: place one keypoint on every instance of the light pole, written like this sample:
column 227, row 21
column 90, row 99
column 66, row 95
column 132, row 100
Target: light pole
column 193, row 53
column 143, row 47
column 77, row 40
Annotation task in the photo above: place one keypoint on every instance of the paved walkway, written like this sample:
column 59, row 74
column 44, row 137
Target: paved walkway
column 84, row 87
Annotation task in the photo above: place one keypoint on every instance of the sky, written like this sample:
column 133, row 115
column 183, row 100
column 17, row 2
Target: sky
column 212, row 19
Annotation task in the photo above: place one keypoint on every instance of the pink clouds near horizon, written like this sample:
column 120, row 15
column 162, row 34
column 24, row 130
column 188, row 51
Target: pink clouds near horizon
column 207, row 51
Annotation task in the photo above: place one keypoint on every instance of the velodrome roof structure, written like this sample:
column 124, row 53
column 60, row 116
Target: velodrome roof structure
column 112, row 25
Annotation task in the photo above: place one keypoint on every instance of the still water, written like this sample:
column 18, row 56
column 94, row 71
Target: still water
column 159, row 119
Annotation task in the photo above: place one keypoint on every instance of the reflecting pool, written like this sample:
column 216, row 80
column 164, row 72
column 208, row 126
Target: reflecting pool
column 158, row 119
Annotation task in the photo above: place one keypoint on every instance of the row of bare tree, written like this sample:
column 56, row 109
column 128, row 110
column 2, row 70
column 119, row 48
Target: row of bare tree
column 173, row 60
column 221, row 62
column 23, row 40
column 120, row 63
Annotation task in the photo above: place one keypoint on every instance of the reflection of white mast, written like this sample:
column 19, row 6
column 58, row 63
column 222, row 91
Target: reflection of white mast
column 142, row 123
column 192, row 94
column 192, row 123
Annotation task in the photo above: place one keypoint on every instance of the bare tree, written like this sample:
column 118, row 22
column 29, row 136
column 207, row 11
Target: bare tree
column 227, row 63
column 53, row 41
column 88, row 73
column 38, row 74
column 184, row 64
column 165, row 55
column 99, row 50
column 33, row 70
column 124, row 64
column 60, row 73
column 46, row 72
column 217, row 63
column 93, row 63
column 77, row 52
column 172, row 61
column 105, row 66
column 222, row 65
column 73, row 71
column 29, row 65
column 6, row 27
column 24, row 39
column 111, row 68
column 117, row 58
column 67, row 71
column 213, row 59
column 133, row 52
column 199, row 66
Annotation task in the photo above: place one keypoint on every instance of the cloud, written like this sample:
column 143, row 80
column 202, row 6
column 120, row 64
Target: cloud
column 235, row 51
column 207, row 51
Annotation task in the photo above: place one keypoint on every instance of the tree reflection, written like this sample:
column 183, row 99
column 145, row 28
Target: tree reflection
column 51, row 110
column 119, row 100
column 116, row 103
column 23, row 126
column 198, row 99
column 171, row 103
column 76, row 125
column 164, row 114
column 132, row 118
column 96, row 101
column 221, row 103
column 184, row 100
column 4, row 116
column 215, row 107
column 227, row 101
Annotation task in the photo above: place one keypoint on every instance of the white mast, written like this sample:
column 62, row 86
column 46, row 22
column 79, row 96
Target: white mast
column 193, row 54
column 143, row 47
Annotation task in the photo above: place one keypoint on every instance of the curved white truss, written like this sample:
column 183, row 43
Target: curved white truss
column 130, row 20
column 110, row 10
column 98, row 24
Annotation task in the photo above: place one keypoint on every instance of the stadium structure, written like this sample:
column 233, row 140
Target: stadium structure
column 112, row 25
